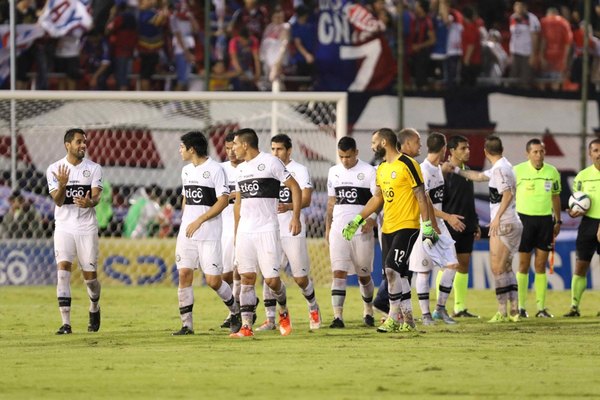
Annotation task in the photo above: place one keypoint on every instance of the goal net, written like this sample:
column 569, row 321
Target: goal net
column 135, row 136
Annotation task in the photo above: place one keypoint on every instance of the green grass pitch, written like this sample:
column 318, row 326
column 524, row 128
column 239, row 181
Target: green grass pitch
column 134, row 355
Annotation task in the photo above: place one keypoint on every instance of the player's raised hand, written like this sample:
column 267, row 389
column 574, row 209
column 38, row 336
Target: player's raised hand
column 84, row 202
column 295, row 226
column 63, row 175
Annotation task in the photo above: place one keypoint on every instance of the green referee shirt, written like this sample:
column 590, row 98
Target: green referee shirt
column 588, row 181
column 535, row 188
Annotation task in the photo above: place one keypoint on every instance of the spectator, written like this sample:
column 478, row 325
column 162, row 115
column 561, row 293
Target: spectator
column 220, row 78
column 98, row 62
column 184, row 27
column 494, row 57
column 25, row 13
column 454, row 21
column 420, row 42
column 151, row 39
column 524, row 37
column 66, row 61
column 273, row 47
column 471, row 42
column 439, row 51
column 304, row 38
column 555, row 44
column 243, row 53
column 22, row 219
column 122, row 39
column 252, row 16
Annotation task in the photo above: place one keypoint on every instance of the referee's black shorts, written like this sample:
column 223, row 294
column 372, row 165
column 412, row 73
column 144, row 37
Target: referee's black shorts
column 396, row 248
column 463, row 241
column 538, row 232
column 587, row 242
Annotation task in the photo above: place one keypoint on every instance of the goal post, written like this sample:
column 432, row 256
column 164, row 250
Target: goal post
column 135, row 137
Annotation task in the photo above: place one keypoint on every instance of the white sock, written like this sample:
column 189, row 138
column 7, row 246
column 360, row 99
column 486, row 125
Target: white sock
column 63, row 293
column 513, row 294
column 394, row 293
column 270, row 303
column 226, row 295
column 237, row 286
column 186, row 305
column 502, row 283
column 422, row 284
column 247, row 303
column 281, row 297
column 445, row 286
column 93, row 289
column 338, row 296
column 406, row 305
column 366, row 292
column 309, row 294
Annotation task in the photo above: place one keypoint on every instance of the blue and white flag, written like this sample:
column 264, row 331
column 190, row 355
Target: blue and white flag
column 26, row 34
column 66, row 17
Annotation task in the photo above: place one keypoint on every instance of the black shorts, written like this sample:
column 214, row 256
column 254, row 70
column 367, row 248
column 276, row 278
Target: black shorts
column 587, row 243
column 68, row 66
column 538, row 232
column 464, row 241
column 396, row 248
column 148, row 63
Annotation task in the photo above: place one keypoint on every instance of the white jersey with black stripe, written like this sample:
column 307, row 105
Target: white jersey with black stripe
column 301, row 175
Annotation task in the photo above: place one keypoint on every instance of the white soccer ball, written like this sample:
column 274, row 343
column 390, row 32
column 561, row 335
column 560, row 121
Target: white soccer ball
column 580, row 201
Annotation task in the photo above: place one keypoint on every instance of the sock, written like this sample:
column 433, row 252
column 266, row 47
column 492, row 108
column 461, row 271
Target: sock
column 93, row 289
column 366, row 292
column 281, row 297
column 186, row 305
column 523, row 284
column 394, row 293
column 422, row 286
column 513, row 291
column 502, row 288
column 247, row 303
column 438, row 279
column 338, row 296
column 406, row 305
column 461, row 285
column 63, row 293
column 237, row 286
column 578, row 285
column 445, row 286
column 226, row 295
column 541, row 287
column 270, row 303
column 309, row 294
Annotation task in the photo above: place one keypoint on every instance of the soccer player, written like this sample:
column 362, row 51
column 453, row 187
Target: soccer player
column 505, row 226
column 205, row 195
column 538, row 205
column 443, row 254
column 350, row 185
column 588, row 234
column 75, row 184
column 257, row 241
column 230, row 274
column 459, row 199
column 401, row 193
column 295, row 250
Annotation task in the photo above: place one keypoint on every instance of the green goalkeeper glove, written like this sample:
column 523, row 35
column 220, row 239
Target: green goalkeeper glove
column 429, row 234
column 350, row 229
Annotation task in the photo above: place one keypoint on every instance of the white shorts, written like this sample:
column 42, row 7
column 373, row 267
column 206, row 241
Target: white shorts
column 258, row 250
column 228, row 253
column 67, row 246
column 510, row 236
column 354, row 257
column 441, row 255
column 194, row 254
column 295, row 252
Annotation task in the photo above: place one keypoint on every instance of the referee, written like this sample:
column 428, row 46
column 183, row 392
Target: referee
column 538, row 205
column 588, row 234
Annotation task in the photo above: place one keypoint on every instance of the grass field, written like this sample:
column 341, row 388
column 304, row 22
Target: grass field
column 135, row 357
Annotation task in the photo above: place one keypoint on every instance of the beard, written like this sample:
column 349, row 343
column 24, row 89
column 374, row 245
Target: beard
column 379, row 152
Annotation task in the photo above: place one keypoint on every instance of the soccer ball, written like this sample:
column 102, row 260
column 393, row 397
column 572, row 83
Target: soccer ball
column 580, row 201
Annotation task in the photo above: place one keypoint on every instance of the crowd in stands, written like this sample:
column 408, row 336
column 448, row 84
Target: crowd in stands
column 138, row 44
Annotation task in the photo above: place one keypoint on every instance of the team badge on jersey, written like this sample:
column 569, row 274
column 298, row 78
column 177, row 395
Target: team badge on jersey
column 206, row 175
column 360, row 176
column 87, row 173
column 261, row 167
column 393, row 174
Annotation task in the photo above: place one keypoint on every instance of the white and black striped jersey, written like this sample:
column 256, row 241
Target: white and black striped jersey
column 82, row 178
column 202, row 186
column 352, row 189
column 433, row 179
column 227, row 215
column 300, row 174
column 258, row 183
column 502, row 178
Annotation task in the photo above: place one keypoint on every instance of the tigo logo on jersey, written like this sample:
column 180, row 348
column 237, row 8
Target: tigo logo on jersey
column 388, row 194
column 350, row 195
column 285, row 194
column 194, row 193
column 251, row 187
column 76, row 191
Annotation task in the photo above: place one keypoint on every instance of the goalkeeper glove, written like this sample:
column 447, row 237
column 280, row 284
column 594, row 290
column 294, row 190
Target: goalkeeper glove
column 429, row 234
column 350, row 229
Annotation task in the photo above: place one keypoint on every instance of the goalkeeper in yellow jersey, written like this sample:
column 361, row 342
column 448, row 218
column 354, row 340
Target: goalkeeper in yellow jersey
column 401, row 192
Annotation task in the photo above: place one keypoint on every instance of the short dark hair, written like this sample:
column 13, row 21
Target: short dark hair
column 435, row 142
column 531, row 142
column 595, row 141
column 248, row 136
column 346, row 143
column 493, row 145
column 229, row 137
column 282, row 138
column 70, row 134
column 197, row 141
column 406, row 134
column 455, row 140
column 389, row 135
